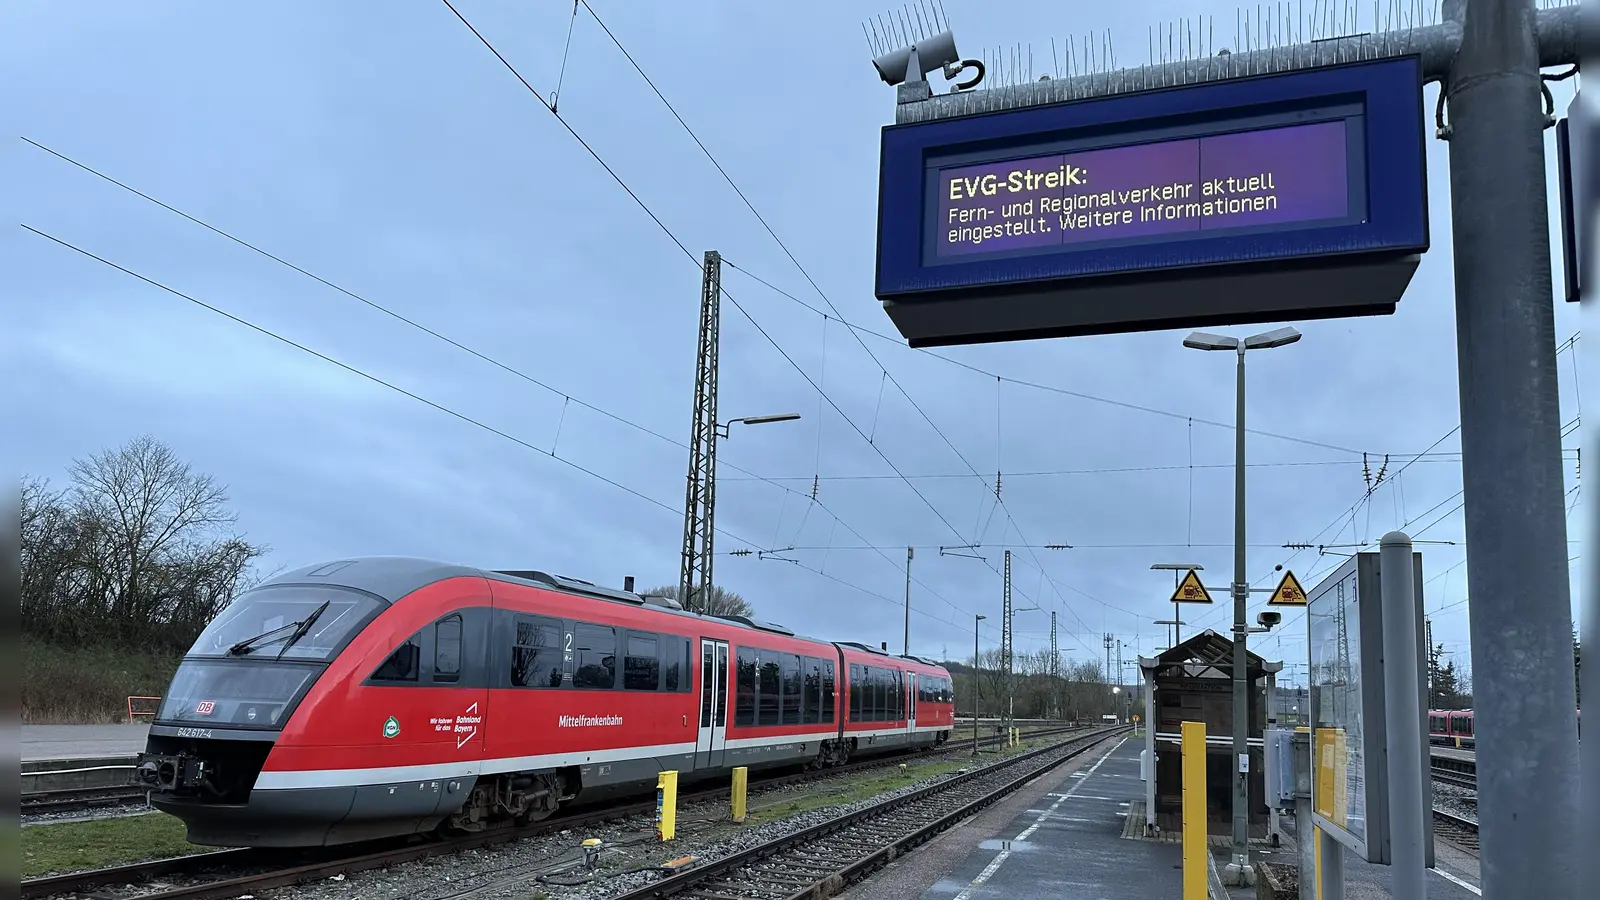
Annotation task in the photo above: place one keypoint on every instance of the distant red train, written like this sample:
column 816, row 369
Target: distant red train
column 1457, row 727
column 386, row 696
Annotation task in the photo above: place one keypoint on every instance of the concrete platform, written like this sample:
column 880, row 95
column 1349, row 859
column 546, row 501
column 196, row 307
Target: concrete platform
column 1454, row 876
column 1464, row 753
column 63, row 742
column 1058, row 837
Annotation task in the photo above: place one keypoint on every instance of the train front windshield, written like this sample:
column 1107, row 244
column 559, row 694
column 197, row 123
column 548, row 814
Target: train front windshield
column 255, row 660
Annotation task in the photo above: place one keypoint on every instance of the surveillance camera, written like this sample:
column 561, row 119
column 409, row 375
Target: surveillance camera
column 914, row 61
column 1268, row 618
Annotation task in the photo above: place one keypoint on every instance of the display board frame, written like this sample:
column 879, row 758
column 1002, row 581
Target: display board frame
column 1361, row 575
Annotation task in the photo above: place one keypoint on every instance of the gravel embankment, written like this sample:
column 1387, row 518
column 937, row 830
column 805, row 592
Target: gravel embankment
column 553, row 865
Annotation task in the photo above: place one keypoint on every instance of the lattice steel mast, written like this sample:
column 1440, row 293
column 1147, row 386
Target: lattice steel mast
column 700, row 497
column 1005, row 642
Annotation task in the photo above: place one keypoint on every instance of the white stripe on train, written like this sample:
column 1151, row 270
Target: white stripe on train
column 335, row 778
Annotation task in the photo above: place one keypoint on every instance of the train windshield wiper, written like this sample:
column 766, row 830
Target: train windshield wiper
column 248, row 644
column 300, row 628
column 300, row 631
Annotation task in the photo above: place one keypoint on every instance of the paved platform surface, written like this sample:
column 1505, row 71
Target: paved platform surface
column 81, row 741
column 1058, row 838
column 1453, row 753
column 1453, row 877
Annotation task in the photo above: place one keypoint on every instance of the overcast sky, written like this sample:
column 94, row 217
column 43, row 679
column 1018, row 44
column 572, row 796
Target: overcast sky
column 382, row 148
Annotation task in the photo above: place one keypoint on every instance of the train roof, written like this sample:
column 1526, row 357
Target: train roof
column 393, row 577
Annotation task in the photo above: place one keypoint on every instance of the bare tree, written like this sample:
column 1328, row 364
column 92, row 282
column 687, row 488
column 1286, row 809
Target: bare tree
column 721, row 602
column 140, row 550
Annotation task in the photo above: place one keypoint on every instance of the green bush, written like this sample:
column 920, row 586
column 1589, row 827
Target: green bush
column 89, row 684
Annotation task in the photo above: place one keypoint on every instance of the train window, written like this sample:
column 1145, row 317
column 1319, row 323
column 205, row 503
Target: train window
column 812, row 707
column 447, row 649
column 536, row 655
column 872, row 706
column 641, row 668
column 595, row 651
column 403, row 663
column 769, row 691
column 744, row 708
column 856, row 692
column 792, row 694
column 827, row 691
column 674, row 661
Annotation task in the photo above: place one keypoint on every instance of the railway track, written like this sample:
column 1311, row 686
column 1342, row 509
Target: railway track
column 1455, row 777
column 820, row 860
column 75, row 799
column 1455, row 829
column 281, row 869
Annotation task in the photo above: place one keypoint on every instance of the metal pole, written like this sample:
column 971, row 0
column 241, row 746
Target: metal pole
column 1241, row 698
column 1305, row 832
column 1149, row 750
column 975, row 621
column 1407, row 806
column 1330, row 881
column 1511, row 472
column 910, row 552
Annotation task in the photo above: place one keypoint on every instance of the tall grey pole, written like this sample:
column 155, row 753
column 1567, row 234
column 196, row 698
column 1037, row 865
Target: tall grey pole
column 1241, row 687
column 1511, row 464
column 1402, row 706
column 975, row 621
column 1588, row 205
column 910, row 552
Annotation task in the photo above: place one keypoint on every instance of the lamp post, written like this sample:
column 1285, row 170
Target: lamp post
column 1200, row 340
column 910, row 552
column 975, row 620
column 723, row 430
column 1177, row 615
column 700, row 510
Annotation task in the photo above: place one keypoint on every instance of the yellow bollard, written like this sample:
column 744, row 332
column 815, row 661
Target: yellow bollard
column 1195, row 845
column 667, row 805
column 741, row 783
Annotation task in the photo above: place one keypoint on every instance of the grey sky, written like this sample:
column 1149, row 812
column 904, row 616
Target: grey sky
column 381, row 147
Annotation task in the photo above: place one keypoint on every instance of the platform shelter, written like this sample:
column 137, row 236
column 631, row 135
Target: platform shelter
column 1193, row 682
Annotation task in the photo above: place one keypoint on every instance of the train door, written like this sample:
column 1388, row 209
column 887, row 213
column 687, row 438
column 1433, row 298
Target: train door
column 712, row 739
column 911, row 702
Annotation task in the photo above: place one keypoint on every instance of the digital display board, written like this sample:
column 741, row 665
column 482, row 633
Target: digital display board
column 1164, row 189
column 1293, row 196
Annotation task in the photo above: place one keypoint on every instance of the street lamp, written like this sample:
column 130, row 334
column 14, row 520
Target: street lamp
column 975, row 620
column 723, row 429
column 1267, row 340
column 700, row 509
column 1177, row 615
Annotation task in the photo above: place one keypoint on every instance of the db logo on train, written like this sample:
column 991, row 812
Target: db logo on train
column 204, row 707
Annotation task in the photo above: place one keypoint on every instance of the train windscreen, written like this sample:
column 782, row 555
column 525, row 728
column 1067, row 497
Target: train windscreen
column 287, row 622
column 234, row 693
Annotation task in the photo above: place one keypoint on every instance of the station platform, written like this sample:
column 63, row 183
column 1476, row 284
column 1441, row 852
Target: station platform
column 78, row 757
column 1058, row 837
column 57, row 742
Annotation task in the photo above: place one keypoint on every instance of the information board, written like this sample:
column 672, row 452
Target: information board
column 1161, row 190
column 1292, row 196
column 1349, row 740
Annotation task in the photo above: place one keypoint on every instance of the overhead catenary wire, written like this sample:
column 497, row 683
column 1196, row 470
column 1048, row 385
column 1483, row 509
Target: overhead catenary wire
column 453, row 413
column 512, row 370
column 999, row 498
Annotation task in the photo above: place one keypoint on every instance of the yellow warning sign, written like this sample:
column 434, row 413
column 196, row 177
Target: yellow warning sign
column 1289, row 592
column 1190, row 590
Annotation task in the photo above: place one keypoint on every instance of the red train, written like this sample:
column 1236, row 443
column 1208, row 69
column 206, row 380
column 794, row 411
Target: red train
column 386, row 696
column 1456, row 727
column 1451, row 727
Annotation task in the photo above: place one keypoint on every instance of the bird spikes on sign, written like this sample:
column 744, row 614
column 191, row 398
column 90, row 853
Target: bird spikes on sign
column 905, row 26
column 1188, row 51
